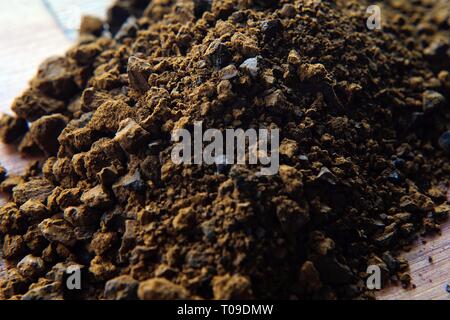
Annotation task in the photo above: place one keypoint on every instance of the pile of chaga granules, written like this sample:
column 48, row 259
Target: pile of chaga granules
column 363, row 118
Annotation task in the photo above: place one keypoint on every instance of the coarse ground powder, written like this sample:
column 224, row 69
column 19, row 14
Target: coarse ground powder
column 363, row 118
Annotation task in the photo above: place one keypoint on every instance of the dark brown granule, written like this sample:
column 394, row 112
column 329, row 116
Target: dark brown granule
column 12, row 128
column 3, row 173
column 91, row 26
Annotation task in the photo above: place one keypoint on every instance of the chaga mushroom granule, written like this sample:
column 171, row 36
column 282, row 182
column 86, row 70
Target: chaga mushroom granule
column 363, row 118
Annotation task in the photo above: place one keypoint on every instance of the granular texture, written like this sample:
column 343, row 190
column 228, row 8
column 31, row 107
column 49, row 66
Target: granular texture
column 363, row 118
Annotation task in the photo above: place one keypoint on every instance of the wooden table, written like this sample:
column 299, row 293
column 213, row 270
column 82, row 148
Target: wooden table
column 47, row 38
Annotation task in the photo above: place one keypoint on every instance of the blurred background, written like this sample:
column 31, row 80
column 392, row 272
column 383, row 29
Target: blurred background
column 33, row 30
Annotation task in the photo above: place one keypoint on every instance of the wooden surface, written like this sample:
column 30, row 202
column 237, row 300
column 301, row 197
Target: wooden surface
column 430, row 278
column 21, row 53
